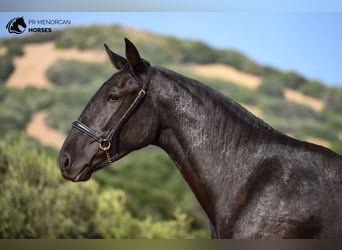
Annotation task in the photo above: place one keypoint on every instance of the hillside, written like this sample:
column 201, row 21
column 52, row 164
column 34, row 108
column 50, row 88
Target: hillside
column 46, row 80
column 29, row 69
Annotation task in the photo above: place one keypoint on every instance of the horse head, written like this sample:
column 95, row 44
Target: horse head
column 118, row 119
column 20, row 21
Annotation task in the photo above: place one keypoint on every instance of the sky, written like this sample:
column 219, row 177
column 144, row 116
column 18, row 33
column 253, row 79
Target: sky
column 174, row 5
column 309, row 42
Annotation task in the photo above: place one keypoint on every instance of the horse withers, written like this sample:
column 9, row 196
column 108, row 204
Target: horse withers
column 250, row 179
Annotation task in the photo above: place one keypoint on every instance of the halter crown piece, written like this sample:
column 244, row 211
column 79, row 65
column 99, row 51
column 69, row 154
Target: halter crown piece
column 105, row 143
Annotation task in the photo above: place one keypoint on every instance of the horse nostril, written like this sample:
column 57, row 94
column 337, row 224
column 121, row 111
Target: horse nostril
column 66, row 161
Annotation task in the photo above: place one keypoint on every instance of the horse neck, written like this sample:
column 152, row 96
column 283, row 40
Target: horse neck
column 203, row 132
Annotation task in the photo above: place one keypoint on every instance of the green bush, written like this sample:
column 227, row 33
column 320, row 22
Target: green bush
column 275, row 81
column 292, row 80
column 17, row 106
column 68, row 72
column 68, row 104
column 92, row 37
column 238, row 61
column 333, row 99
column 6, row 66
column 15, row 48
column 199, row 52
column 36, row 202
column 119, row 223
column 271, row 87
column 313, row 88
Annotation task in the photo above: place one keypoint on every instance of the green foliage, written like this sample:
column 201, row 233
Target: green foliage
column 90, row 37
column 13, row 49
column 289, row 110
column 68, row 104
column 238, row 61
column 274, row 81
column 314, row 89
column 333, row 99
column 121, row 224
column 199, row 52
column 271, row 87
column 17, row 106
column 6, row 66
column 68, row 72
column 292, row 80
column 36, row 202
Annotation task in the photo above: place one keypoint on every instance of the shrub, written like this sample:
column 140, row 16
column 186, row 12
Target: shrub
column 6, row 66
column 15, row 48
column 68, row 104
column 270, row 86
column 198, row 52
column 36, row 202
column 274, row 81
column 91, row 37
column 17, row 106
column 120, row 224
column 68, row 72
column 333, row 99
column 238, row 61
column 313, row 88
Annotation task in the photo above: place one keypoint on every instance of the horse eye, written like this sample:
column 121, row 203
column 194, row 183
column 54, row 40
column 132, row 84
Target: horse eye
column 113, row 98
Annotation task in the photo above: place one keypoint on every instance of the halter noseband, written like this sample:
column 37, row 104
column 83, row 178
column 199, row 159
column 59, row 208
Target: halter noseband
column 105, row 143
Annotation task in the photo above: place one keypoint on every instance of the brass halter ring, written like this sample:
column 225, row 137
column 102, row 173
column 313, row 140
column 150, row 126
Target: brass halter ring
column 105, row 145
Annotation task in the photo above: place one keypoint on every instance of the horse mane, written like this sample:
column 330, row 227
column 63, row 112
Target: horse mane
column 209, row 96
column 236, row 112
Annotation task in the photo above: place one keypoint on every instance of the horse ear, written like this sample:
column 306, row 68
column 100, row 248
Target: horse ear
column 118, row 61
column 134, row 59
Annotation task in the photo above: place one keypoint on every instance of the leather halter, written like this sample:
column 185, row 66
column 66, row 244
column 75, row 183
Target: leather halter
column 106, row 142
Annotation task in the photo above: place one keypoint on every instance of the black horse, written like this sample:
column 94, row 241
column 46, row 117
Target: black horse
column 251, row 180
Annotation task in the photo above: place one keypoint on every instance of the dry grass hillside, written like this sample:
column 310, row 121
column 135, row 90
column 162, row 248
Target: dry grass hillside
column 227, row 73
column 2, row 51
column 31, row 67
column 38, row 129
column 296, row 96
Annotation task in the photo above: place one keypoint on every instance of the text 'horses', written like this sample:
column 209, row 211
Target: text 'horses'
column 251, row 180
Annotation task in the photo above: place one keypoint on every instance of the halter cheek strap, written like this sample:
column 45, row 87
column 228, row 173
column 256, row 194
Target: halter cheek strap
column 105, row 143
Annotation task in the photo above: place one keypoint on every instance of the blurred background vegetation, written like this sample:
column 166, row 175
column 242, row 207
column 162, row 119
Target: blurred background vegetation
column 142, row 195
